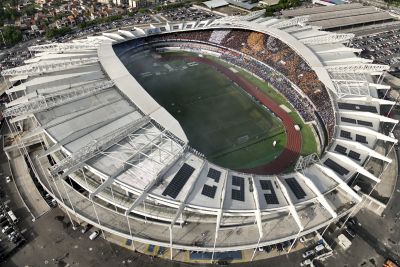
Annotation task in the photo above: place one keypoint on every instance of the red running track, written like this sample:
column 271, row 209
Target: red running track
column 293, row 145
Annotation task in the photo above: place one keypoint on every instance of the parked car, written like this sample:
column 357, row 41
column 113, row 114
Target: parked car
column 350, row 232
column 12, row 234
column 308, row 253
column 4, row 223
column 94, row 235
column 86, row 228
column 8, row 179
column 306, row 262
column 268, row 249
column 6, row 229
column 319, row 247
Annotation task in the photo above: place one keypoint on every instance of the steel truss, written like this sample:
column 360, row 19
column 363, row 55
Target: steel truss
column 290, row 22
column 48, row 66
column 306, row 161
column 328, row 39
column 251, row 16
column 355, row 77
column 43, row 102
column 357, row 68
column 159, row 149
column 96, row 146
column 349, row 87
column 63, row 47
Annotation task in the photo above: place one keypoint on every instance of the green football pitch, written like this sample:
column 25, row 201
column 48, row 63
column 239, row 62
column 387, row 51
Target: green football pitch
column 219, row 118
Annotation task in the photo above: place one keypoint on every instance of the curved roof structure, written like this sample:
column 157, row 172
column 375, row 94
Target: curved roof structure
column 130, row 159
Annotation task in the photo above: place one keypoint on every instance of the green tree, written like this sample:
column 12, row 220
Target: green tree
column 54, row 32
column 12, row 35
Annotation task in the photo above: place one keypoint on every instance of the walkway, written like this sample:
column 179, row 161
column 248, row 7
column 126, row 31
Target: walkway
column 26, row 187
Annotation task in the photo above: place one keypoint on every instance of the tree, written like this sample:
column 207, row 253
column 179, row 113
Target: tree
column 54, row 32
column 12, row 35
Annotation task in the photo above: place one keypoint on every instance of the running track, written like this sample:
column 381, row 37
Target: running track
column 292, row 149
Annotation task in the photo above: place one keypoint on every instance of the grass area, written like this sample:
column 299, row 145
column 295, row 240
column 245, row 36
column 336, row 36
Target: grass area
column 218, row 117
column 309, row 144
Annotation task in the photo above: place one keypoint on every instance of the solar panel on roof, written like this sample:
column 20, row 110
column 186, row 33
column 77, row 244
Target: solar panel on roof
column 336, row 167
column 238, row 181
column 357, row 107
column 214, row 174
column 179, row 181
column 340, row 149
column 296, row 188
column 354, row 155
column 238, row 195
column 348, row 120
column 266, row 184
column 361, row 139
column 365, row 123
column 270, row 197
column 209, row 191
column 345, row 134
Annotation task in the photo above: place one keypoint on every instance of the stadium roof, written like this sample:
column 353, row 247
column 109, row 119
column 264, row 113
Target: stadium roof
column 215, row 3
column 351, row 20
column 319, row 10
column 342, row 13
column 334, row 17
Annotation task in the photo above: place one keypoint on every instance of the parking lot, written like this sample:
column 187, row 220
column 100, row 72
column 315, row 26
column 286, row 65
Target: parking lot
column 383, row 47
column 187, row 14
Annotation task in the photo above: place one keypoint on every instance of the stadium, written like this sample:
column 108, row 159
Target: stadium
column 108, row 136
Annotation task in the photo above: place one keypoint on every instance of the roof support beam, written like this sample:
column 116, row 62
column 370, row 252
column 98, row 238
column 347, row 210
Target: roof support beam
column 100, row 188
column 258, row 209
column 357, row 68
column 48, row 66
column 183, row 203
column 328, row 172
column 358, row 168
column 370, row 132
column 125, row 165
column 320, row 196
column 328, row 39
column 48, row 101
column 63, row 47
column 98, row 145
column 220, row 213
column 292, row 208
column 290, row 22
column 358, row 146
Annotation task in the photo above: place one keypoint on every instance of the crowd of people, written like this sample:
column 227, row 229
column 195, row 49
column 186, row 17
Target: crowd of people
column 265, row 56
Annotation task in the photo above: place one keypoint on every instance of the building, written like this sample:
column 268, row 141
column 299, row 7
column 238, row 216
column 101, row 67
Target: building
column 137, row 176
